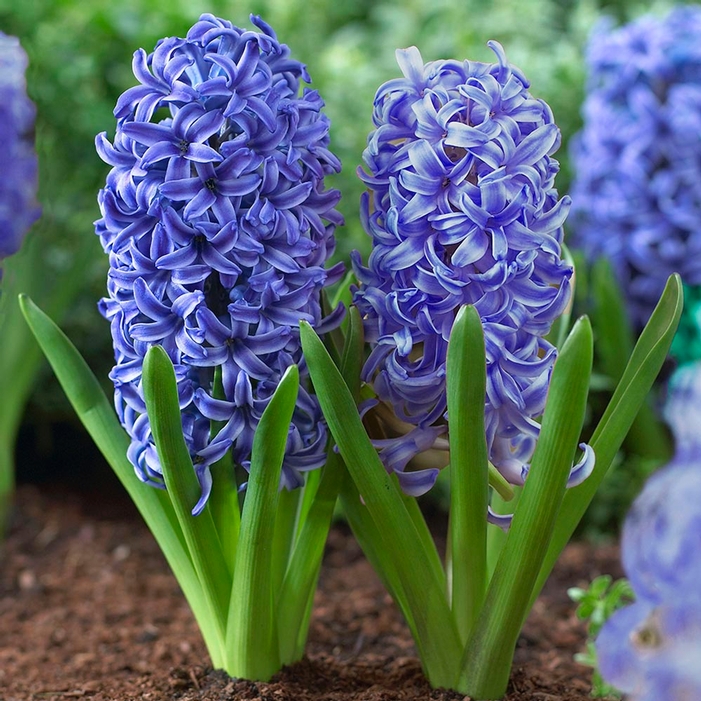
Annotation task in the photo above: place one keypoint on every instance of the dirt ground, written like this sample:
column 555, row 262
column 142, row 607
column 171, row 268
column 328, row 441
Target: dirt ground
column 89, row 610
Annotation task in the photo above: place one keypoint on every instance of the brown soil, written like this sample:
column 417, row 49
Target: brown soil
column 89, row 610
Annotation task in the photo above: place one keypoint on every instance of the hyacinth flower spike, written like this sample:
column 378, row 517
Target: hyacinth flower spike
column 18, row 212
column 465, row 279
column 218, row 226
column 636, row 164
column 636, row 173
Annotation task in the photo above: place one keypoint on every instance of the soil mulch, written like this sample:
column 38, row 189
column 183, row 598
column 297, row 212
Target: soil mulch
column 89, row 610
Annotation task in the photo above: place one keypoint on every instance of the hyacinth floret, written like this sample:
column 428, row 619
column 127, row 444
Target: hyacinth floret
column 651, row 649
column 462, row 209
column 637, row 160
column 218, row 225
column 18, row 160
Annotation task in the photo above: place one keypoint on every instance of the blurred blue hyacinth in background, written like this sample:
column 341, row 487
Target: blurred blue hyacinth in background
column 637, row 161
column 18, row 161
column 462, row 209
column 651, row 649
column 218, row 225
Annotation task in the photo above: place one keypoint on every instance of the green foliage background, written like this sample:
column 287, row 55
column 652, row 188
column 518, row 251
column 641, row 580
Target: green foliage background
column 80, row 61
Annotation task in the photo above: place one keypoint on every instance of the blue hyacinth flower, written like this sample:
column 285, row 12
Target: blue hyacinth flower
column 637, row 160
column 218, row 225
column 462, row 209
column 18, row 160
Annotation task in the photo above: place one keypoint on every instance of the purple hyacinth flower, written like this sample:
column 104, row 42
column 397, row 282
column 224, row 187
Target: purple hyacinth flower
column 462, row 209
column 18, row 161
column 218, row 225
column 637, row 160
column 651, row 650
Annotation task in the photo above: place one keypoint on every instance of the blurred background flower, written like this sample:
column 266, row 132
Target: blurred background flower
column 18, row 161
column 18, row 211
column 637, row 160
column 651, row 649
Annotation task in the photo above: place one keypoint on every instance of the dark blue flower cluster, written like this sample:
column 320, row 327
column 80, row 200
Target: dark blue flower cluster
column 218, row 226
column 652, row 649
column 18, row 161
column 461, row 209
column 637, row 161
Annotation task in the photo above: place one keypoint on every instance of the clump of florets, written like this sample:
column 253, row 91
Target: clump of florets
column 637, row 160
column 218, row 225
column 18, row 161
column 462, row 209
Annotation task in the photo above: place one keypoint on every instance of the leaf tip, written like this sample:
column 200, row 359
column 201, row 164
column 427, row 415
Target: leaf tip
column 292, row 372
column 25, row 302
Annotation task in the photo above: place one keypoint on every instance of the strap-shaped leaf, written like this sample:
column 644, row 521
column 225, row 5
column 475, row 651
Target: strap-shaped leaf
column 614, row 340
column 252, row 643
column 223, row 499
column 163, row 408
column 97, row 415
column 296, row 595
column 436, row 633
column 469, row 492
column 643, row 367
column 489, row 652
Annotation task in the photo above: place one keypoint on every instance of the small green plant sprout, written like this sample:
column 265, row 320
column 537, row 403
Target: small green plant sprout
column 596, row 603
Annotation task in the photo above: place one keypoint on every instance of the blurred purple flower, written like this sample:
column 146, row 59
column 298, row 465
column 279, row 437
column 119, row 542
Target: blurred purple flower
column 651, row 649
column 637, row 160
column 218, row 226
column 461, row 208
column 18, row 161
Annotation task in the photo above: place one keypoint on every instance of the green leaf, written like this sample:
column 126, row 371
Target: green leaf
column 285, row 534
column 614, row 338
column 163, row 408
column 97, row 415
column 252, row 640
column 353, row 353
column 614, row 335
column 297, row 592
column 436, row 633
column 489, row 652
column 376, row 547
column 223, row 499
column 469, row 489
column 643, row 367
